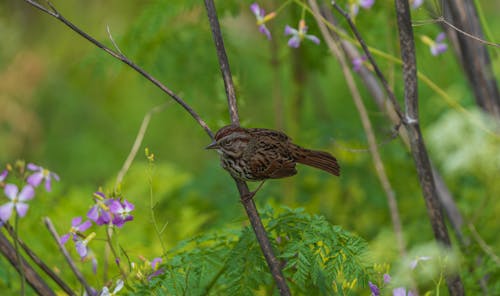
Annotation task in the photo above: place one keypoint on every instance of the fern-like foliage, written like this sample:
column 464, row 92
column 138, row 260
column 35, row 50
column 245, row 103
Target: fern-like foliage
column 318, row 259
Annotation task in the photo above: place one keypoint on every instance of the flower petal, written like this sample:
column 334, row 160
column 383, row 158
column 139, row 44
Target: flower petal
column 115, row 206
column 440, row 37
column 367, row 4
column 81, row 249
column 35, row 179
column 3, row 175
column 84, row 226
column 264, row 30
column 47, row 184
column 294, row 42
column 76, row 221
column 21, row 209
column 119, row 286
column 401, row 291
column 63, row 239
column 33, row 167
column 93, row 213
column 313, row 38
column 128, row 206
column 27, row 193
column 11, row 191
column 255, row 8
column 55, row 176
column 6, row 211
column 290, row 31
column 375, row 290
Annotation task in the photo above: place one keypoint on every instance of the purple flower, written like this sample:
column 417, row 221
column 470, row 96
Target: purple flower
column 387, row 278
column 375, row 290
column 39, row 175
column 401, row 291
column 76, row 226
column 155, row 263
column 437, row 46
column 355, row 4
column 299, row 34
column 3, row 175
column 357, row 63
column 99, row 213
column 121, row 212
column 262, row 18
column 17, row 201
column 416, row 3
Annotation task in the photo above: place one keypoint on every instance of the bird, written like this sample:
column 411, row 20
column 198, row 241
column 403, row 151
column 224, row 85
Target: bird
column 259, row 154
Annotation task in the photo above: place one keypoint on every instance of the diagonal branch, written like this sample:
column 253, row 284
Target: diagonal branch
column 78, row 274
column 39, row 262
column 32, row 277
column 248, row 203
column 118, row 55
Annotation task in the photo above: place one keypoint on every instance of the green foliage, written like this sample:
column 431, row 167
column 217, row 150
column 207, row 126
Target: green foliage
column 319, row 259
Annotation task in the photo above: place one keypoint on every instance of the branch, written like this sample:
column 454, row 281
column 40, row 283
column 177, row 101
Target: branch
column 34, row 280
column 40, row 263
column 118, row 55
column 248, row 203
column 223, row 61
column 418, row 148
column 78, row 274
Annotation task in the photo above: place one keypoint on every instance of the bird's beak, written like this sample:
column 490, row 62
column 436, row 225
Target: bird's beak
column 213, row 145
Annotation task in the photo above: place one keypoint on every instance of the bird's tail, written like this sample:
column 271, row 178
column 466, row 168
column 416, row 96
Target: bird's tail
column 318, row 159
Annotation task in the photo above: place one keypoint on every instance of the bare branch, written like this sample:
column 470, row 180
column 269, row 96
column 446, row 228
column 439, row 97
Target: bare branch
column 418, row 148
column 223, row 61
column 34, row 280
column 40, row 263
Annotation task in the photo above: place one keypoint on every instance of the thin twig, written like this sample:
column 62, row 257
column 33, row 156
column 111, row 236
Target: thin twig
column 333, row 44
column 138, row 142
column 40, row 263
column 53, row 12
column 248, row 203
column 484, row 246
column 368, row 54
column 62, row 249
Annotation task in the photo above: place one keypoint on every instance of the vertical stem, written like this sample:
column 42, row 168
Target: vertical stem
column 19, row 258
column 223, row 61
column 418, row 148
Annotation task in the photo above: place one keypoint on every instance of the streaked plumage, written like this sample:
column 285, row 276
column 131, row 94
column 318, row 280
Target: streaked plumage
column 255, row 154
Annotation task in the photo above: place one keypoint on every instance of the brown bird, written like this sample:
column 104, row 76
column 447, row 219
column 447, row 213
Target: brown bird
column 258, row 154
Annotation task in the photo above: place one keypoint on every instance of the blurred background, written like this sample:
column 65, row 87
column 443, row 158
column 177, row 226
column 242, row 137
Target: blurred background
column 68, row 106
